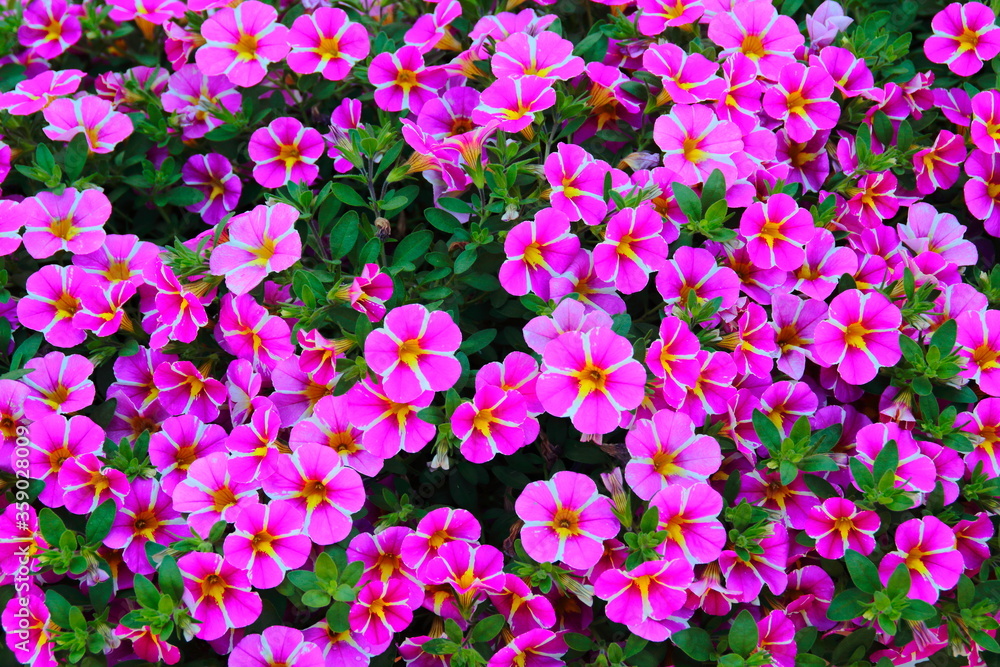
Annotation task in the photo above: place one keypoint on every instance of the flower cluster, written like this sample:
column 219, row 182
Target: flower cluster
column 454, row 334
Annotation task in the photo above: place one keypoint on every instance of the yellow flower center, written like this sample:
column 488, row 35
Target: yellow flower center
column 246, row 48
column 753, row 47
column 409, row 352
column 854, row 335
column 329, row 47
column 566, row 522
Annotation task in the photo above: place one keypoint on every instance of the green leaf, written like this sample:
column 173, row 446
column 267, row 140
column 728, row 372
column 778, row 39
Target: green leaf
column 352, row 573
column 634, row 645
column 466, row 260
column 577, row 641
column 347, row 195
column 184, row 196
column 370, row 251
column 899, row 582
column 316, row 598
column 455, row 205
column 443, row 220
column 768, row 433
column 848, row 605
column 714, row 189
column 413, row 246
column 863, row 572
column 857, row 642
column 688, row 201
column 488, row 628
column 440, row 646
column 345, row 593
column 886, row 461
column 325, row 568
column 58, row 607
column 75, row 157
column 944, row 337
column 99, row 523
column 650, row 520
column 744, row 635
column 146, row 593
column 912, row 352
column 918, row 610
column 170, row 579
column 478, row 341
column 344, row 234
column 25, row 351
column 51, row 525
column 883, row 128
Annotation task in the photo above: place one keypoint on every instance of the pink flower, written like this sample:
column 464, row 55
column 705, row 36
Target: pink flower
column 213, row 176
column 916, row 472
column 577, row 182
column 646, row 595
column 285, row 151
column 695, row 143
column 633, row 248
column 277, row 645
column 180, row 442
column 267, row 542
column 982, row 190
column 592, row 378
column 939, row 166
column 414, row 352
column 72, row 221
column 547, row 56
column 369, row 291
column 657, row 15
column 403, row 81
column 103, row 127
column 965, row 35
column 687, row 78
column 313, row 481
column 860, row 335
column 979, row 345
column 330, row 426
column 756, row 30
column 434, row 530
column 689, row 514
column 565, row 520
column 538, row 647
column 666, row 451
column 36, row 93
column 179, row 312
column 198, row 100
column 493, row 423
column 49, row 28
column 185, row 390
column 153, row 11
column 696, row 270
column 85, row 483
column 837, row 525
column 928, row 549
column 242, row 42
column 802, row 98
column 57, row 384
column 326, row 42
column 776, row 232
column 389, row 425
column 746, row 578
column 536, row 250
column 260, row 242
column 248, row 331
column 218, row 594
column 54, row 440
column 514, row 102
column 55, row 295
